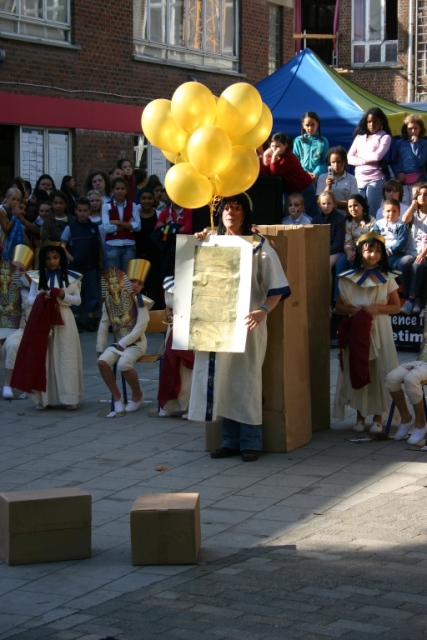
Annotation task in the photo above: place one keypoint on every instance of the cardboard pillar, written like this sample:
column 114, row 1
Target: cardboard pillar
column 296, row 386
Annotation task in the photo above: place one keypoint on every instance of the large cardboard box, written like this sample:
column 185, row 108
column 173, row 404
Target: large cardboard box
column 165, row 528
column 296, row 372
column 46, row 525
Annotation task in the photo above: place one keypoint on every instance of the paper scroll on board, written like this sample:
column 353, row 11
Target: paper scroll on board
column 212, row 293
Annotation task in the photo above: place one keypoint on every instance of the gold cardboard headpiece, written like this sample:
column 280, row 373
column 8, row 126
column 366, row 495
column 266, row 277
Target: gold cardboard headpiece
column 23, row 254
column 52, row 243
column 138, row 269
column 372, row 235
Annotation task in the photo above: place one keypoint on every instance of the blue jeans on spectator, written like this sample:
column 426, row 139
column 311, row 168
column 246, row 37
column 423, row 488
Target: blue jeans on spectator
column 372, row 192
column 241, row 436
column 119, row 256
column 310, row 201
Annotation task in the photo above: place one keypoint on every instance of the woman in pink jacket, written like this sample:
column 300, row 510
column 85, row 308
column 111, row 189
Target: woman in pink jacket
column 372, row 140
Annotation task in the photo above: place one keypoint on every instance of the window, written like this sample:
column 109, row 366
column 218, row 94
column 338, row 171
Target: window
column 194, row 32
column 44, row 151
column 275, row 38
column 374, row 32
column 41, row 19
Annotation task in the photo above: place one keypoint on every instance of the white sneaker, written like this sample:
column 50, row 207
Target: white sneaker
column 359, row 427
column 164, row 414
column 376, row 428
column 133, row 406
column 404, row 429
column 119, row 407
column 418, row 435
column 7, row 392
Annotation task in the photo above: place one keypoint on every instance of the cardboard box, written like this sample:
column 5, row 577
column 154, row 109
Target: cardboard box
column 213, row 435
column 165, row 528
column 296, row 376
column 46, row 525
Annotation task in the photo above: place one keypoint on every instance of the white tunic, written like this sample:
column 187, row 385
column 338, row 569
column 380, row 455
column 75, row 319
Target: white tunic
column 64, row 366
column 373, row 398
column 229, row 385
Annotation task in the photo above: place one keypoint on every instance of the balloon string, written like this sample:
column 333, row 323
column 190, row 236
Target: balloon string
column 212, row 207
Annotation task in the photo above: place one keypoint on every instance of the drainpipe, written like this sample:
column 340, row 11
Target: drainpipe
column 410, row 50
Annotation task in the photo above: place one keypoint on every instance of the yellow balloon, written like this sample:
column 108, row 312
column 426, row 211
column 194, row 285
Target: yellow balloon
column 160, row 127
column 187, row 187
column 172, row 157
column 240, row 174
column 193, row 106
column 239, row 109
column 209, row 150
column 259, row 134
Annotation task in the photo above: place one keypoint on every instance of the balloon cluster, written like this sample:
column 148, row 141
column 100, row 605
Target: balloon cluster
column 210, row 141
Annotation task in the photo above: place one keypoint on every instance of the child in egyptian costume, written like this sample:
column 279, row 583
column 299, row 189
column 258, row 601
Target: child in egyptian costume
column 368, row 295
column 14, row 308
column 49, row 359
column 126, row 310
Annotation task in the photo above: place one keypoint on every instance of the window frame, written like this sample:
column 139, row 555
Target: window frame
column 381, row 43
column 182, row 54
column 22, row 24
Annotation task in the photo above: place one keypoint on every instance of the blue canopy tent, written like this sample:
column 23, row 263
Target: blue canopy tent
column 305, row 83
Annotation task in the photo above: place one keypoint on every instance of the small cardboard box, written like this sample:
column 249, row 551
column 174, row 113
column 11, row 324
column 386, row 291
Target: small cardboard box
column 165, row 528
column 46, row 525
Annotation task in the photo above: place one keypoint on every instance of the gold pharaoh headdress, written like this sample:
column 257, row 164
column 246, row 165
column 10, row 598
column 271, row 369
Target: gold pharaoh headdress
column 23, row 254
column 52, row 243
column 138, row 269
column 372, row 235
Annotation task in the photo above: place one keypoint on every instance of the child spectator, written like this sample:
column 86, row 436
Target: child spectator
column 372, row 140
column 392, row 189
column 53, row 227
column 121, row 221
column 127, row 167
column 280, row 161
column 329, row 215
column 310, row 147
column 46, row 183
column 49, row 360
column 68, row 188
column 358, row 222
column 149, row 250
column 369, row 295
column 414, row 270
column 295, row 204
column 396, row 233
column 413, row 376
column 84, row 253
column 127, row 311
column 337, row 179
column 410, row 155
column 172, row 220
column 11, row 230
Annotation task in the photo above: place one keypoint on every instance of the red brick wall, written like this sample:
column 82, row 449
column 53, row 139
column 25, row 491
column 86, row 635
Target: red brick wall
column 103, row 69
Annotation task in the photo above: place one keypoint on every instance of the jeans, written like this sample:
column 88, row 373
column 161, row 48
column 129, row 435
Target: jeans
column 238, row 435
column 119, row 256
column 310, row 201
column 372, row 192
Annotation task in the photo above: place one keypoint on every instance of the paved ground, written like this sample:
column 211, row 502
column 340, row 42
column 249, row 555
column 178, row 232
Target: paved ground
column 328, row 541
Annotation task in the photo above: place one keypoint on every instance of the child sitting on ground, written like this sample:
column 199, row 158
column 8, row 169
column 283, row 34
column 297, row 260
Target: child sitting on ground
column 396, row 233
column 295, row 206
column 127, row 311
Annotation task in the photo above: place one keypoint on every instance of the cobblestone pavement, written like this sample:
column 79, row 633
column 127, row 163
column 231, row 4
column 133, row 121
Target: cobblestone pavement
column 328, row 541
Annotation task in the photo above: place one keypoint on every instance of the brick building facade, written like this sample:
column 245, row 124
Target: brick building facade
column 75, row 79
column 95, row 83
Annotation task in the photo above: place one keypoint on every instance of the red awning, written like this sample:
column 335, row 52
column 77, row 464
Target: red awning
column 41, row 111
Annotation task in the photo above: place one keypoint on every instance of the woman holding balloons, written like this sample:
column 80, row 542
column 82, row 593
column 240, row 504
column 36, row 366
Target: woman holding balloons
column 230, row 384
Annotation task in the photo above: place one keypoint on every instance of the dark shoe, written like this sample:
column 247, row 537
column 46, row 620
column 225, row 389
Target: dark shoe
column 224, row 452
column 91, row 325
column 249, row 455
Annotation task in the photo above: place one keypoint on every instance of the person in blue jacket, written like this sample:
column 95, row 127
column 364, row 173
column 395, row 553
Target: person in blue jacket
column 311, row 148
column 410, row 155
